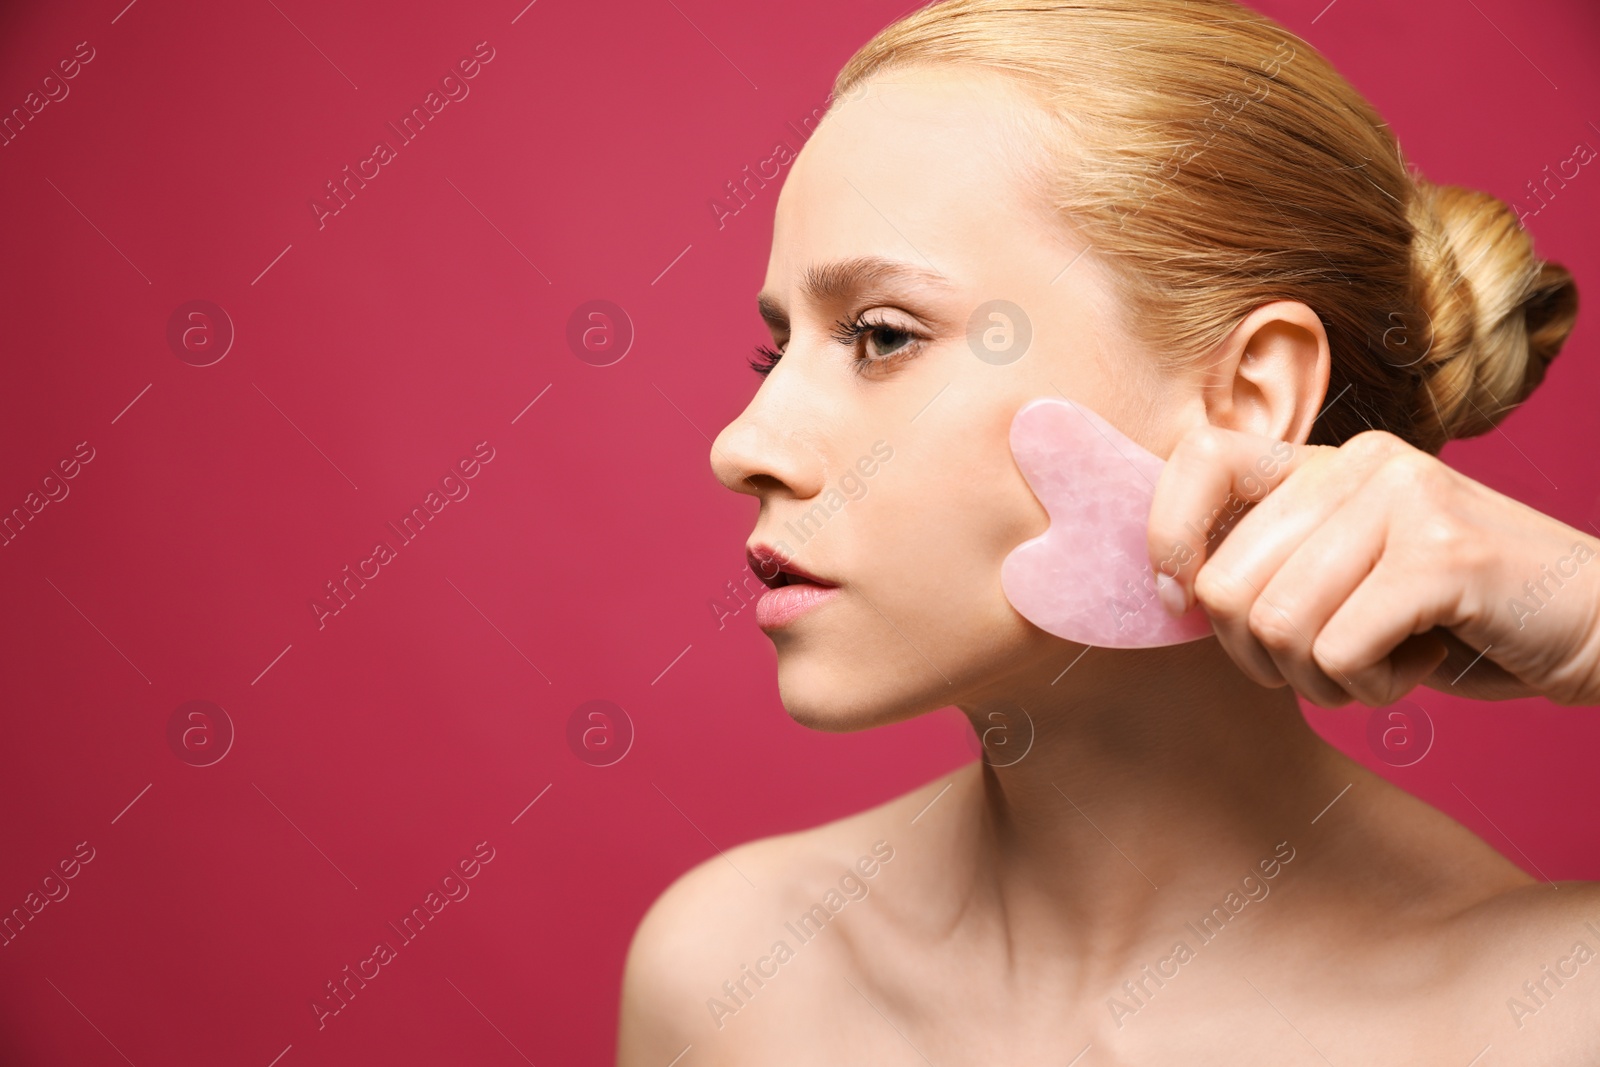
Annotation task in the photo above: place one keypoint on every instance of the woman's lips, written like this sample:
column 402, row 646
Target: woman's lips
column 780, row 606
column 791, row 591
column 775, row 569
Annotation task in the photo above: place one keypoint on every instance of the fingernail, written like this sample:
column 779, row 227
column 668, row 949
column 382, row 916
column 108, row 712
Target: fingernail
column 1171, row 595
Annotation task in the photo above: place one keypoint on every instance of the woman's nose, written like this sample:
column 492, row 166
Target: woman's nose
column 763, row 452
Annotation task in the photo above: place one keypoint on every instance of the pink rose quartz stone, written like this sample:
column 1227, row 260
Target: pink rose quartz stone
column 1088, row 578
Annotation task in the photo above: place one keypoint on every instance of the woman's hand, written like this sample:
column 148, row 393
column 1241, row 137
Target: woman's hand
column 1360, row 572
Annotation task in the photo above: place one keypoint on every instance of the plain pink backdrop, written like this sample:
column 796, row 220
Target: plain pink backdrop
column 372, row 754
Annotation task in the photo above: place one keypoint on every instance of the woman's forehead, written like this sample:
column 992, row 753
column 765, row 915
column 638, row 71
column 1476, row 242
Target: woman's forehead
column 921, row 167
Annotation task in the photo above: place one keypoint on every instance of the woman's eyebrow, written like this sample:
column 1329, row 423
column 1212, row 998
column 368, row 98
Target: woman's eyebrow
column 829, row 282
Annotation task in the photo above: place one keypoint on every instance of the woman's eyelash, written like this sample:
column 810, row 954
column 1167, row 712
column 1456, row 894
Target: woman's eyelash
column 850, row 334
column 764, row 359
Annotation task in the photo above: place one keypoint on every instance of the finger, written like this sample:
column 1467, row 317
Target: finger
column 1399, row 598
column 1212, row 476
column 1228, row 601
column 1308, row 587
column 1291, row 650
column 1292, row 523
column 1274, row 529
column 1412, row 662
column 1466, row 671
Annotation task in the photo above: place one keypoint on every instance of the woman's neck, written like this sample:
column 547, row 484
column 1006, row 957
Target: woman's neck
column 1155, row 780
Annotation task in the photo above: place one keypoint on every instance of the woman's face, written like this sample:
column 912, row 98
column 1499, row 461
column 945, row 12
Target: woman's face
column 882, row 462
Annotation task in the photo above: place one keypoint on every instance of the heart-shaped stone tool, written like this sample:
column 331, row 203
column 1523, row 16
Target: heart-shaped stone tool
column 1087, row 578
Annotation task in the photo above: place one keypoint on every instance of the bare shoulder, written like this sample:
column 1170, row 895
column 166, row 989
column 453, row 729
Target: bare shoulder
column 1530, row 960
column 1472, row 943
column 708, row 936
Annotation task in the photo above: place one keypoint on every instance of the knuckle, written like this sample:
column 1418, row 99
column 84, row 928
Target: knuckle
column 1207, row 444
column 1367, row 686
column 1274, row 628
column 1412, row 476
column 1222, row 593
column 1331, row 660
column 1376, row 444
column 1438, row 537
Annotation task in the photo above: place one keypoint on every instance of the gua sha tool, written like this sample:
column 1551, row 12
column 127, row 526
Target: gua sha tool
column 1087, row 578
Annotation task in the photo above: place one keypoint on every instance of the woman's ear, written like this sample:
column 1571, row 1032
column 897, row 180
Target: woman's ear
column 1269, row 376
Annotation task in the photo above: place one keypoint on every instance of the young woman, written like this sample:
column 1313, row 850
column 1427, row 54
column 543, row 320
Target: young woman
column 1209, row 238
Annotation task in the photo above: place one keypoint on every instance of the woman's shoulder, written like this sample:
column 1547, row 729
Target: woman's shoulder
column 718, row 899
column 1517, row 966
column 1534, row 954
column 719, row 920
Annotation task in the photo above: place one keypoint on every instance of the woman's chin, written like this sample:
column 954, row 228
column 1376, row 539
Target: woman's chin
column 821, row 697
column 825, row 718
column 825, row 708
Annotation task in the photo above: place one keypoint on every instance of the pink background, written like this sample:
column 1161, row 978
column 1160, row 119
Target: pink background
column 371, row 355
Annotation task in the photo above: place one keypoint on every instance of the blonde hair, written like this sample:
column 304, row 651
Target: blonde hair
column 1218, row 163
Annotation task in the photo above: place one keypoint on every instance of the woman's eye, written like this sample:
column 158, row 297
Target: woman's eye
column 878, row 345
column 886, row 340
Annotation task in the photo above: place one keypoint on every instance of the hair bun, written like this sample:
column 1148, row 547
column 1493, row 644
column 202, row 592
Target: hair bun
column 1497, row 313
